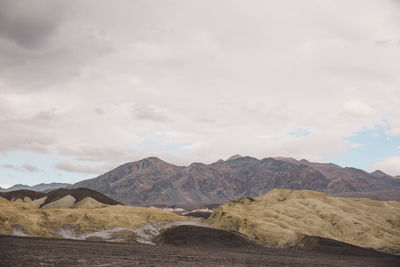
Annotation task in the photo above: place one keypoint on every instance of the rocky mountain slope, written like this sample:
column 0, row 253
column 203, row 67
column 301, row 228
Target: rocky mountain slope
column 283, row 218
column 153, row 181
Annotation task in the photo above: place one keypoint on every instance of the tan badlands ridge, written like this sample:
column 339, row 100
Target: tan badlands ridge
column 282, row 218
column 87, row 215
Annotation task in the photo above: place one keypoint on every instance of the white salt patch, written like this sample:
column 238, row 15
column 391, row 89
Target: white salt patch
column 144, row 234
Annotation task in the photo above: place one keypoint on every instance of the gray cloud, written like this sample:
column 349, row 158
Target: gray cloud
column 152, row 113
column 24, row 167
column 9, row 166
column 99, row 111
column 28, row 23
column 30, row 168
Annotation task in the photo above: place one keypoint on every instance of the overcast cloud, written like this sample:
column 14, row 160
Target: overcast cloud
column 114, row 81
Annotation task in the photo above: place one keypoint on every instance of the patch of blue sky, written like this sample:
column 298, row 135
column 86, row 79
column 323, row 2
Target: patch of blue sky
column 299, row 132
column 46, row 173
column 367, row 147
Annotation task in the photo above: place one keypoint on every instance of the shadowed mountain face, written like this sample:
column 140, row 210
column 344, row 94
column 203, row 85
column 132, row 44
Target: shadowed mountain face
column 153, row 181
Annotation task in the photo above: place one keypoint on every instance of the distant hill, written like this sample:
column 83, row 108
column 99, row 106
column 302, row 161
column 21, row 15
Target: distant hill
column 384, row 195
column 289, row 218
column 61, row 198
column 39, row 187
column 152, row 181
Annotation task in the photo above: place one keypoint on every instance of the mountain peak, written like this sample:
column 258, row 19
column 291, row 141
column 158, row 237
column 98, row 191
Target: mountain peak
column 153, row 160
column 237, row 156
column 379, row 173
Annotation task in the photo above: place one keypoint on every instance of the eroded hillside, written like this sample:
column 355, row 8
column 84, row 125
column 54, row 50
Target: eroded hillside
column 27, row 219
column 281, row 218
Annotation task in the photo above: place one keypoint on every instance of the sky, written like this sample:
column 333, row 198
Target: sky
column 88, row 85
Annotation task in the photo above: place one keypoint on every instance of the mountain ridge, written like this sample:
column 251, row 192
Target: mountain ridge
column 154, row 181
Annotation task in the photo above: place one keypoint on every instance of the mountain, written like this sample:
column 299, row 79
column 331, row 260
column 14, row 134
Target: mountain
column 39, row 187
column 153, row 181
column 286, row 218
column 349, row 179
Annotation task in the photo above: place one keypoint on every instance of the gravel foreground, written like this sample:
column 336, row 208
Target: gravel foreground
column 32, row 251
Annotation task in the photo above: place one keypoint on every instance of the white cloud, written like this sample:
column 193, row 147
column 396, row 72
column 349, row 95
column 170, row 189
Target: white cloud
column 114, row 82
column 358, row 108
column 71, row 167
column 390, row 165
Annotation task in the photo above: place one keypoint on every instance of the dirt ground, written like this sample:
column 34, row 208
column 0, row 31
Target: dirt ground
column 32, row 251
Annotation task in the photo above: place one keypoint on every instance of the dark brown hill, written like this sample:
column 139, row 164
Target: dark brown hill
column 326, row 245
column 152, row 181
column 196, row 236
column 21, row 194
column 204, row 237
column 78, row 194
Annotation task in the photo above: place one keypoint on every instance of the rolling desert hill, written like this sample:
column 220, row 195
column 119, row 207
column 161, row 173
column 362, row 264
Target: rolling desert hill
column 283, row 218
column 110, row 221
column 152, row 181
column 61, row 198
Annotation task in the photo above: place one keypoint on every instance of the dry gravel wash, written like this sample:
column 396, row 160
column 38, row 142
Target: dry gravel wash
column 34, row 251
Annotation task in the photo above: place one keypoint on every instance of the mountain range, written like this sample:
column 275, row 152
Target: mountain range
column 151, row 181
column 39, row 187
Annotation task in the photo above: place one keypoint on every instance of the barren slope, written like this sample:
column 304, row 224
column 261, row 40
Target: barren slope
column 25, row 218
column 283, row 217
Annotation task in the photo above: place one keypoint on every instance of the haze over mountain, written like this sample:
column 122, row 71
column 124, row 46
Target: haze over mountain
column 39, row 187
column 153, row 181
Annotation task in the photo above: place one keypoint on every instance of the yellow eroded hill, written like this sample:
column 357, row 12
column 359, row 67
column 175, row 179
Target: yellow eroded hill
column 37, row 222
column 282, row 217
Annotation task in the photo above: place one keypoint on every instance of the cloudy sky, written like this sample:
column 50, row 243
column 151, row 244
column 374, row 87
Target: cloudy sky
column 88, row 85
